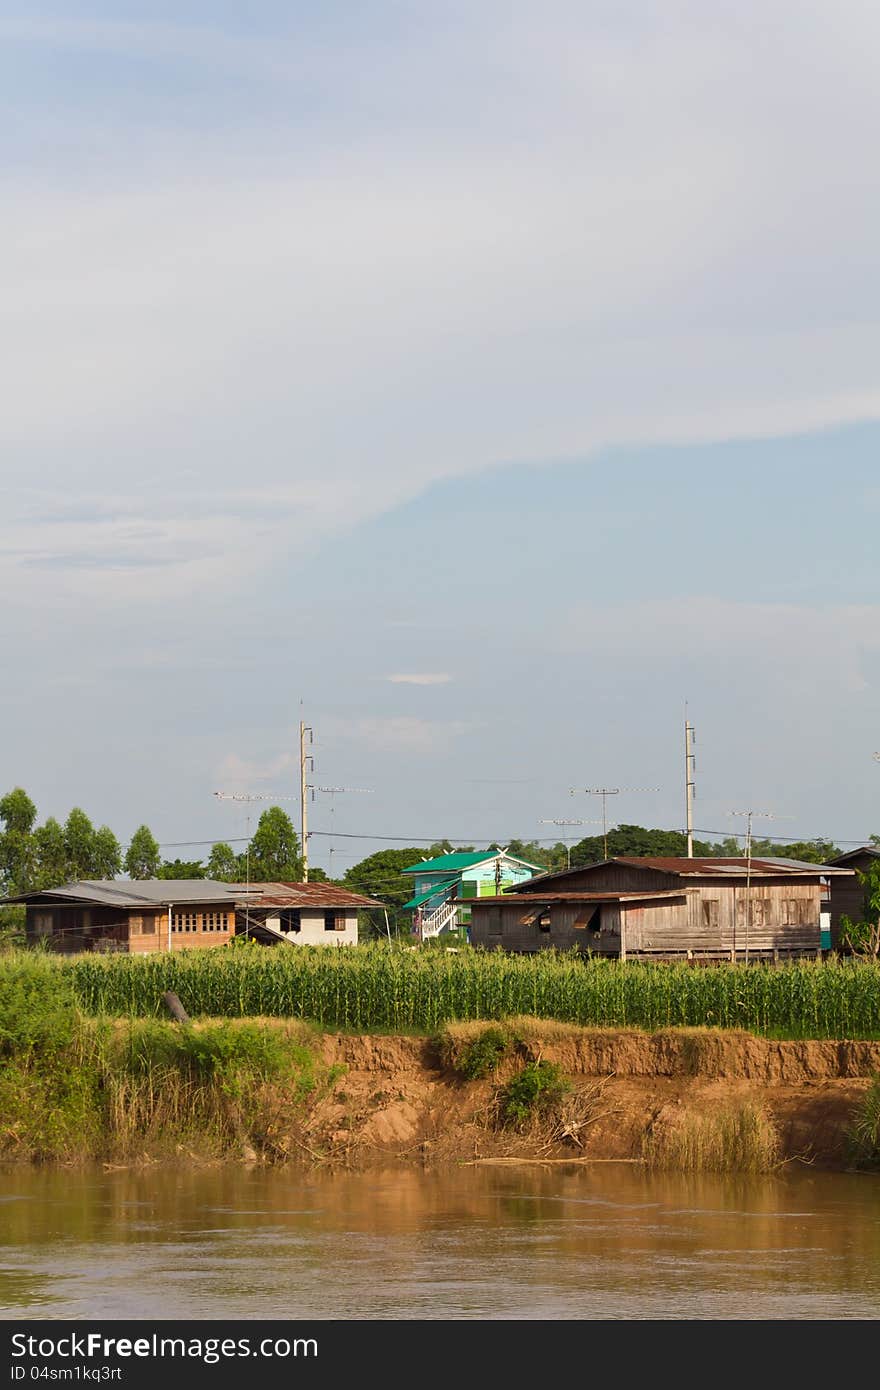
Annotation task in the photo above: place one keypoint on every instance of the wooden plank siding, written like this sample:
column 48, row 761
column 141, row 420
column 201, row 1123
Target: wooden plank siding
column 707, row 918
column 71, row 928
column 848, row 895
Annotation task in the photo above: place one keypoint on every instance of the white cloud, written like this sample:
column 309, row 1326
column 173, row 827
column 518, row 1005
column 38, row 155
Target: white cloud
column 424, row 678
column 597, row 241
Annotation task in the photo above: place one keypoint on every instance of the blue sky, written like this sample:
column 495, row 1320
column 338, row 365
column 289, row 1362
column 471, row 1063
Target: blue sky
column 492, row 380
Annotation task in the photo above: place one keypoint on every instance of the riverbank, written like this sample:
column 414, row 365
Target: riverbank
column 666, row 1098
column 270, row 1091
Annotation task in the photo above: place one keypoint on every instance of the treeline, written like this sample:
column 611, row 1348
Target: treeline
column 34, row 857
column 42, row 856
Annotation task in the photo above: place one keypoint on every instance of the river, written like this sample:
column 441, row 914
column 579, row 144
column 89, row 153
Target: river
column 610, row 1241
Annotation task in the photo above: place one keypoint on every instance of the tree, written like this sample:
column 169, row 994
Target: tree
column 379, row 876
column 18, row 812
column 50, row 855
column 274, row 850
column 17, row 855
column 106, row 854
column 142, row 858
column 79, row 845
column 223, row 864
column 181, row 868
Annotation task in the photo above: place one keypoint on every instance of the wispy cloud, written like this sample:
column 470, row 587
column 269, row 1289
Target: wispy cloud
column 421, row 678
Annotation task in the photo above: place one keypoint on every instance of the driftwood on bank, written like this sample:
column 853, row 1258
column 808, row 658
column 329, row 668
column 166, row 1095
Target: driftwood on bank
column 174, row 1007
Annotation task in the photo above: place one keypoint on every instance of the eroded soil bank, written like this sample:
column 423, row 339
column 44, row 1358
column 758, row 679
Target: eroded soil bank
column 399, row 1099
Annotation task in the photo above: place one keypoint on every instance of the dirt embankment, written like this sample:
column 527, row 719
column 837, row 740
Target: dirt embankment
column 397, row 1098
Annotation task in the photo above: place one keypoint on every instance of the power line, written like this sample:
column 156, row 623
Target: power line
column 531, row 839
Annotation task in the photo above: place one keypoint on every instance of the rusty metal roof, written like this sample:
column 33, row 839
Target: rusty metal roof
column 608, row 896
column 690, row 868
column 298, row 895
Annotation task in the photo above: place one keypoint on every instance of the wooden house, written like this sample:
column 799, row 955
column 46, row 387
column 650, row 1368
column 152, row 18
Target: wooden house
column 143, row 915
column 663, row 908
column 134, row 916
column 445, row 887
column 848, row 893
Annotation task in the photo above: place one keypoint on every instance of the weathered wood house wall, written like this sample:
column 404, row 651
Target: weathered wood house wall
column 848, row 893
column 135, row 918
column 662, row 908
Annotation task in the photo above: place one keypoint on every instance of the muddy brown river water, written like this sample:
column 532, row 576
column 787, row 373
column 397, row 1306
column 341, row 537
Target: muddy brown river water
column 576, row 1243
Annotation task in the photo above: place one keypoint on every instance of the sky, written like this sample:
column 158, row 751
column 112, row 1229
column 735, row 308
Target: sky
column 480, row 384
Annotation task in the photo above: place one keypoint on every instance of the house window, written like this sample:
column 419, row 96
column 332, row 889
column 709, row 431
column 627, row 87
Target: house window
column 334, row 921
column 493, row 926
column 291, row 920
column 135, row 926
column 797, row 912
column 756, row 913
column 43, row 924
column 710, row 913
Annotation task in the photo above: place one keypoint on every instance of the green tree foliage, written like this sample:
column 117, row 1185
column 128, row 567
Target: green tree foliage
column 51, row 854
column 636, row 840
column 106, row 854
column 142, row 858
column 379, row 876
column 17, row 864
column 550, row 857
column 223, row 864
column 181, row 868
column 17, row 812
column 79, row 845
column 274, row 849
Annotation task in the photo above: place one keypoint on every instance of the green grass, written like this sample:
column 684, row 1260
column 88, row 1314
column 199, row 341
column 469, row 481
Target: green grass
column 386, row 988
column 76, row 1087
column 864, row 1132
column 739, row 1139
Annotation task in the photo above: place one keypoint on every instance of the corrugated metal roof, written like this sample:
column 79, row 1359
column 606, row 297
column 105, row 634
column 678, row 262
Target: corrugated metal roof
column 609, row 896
column 689, row 868
column 142, row 892
column 298, row 895
column 872, row 851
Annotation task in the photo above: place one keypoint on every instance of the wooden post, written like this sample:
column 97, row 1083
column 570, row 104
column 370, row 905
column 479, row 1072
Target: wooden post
column 622, row 920
column 174, row 1007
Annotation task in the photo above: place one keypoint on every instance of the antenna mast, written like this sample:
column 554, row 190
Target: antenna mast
column 605, row 792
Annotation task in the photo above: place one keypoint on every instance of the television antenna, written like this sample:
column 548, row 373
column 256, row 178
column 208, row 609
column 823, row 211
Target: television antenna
column 605, row 792
column 560, row 821
column 248, row 797
column 332, row 793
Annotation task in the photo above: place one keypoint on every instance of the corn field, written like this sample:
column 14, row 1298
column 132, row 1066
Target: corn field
column 378, row 987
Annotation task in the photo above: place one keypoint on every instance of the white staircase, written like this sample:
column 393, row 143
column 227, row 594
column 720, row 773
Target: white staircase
column 438, row 920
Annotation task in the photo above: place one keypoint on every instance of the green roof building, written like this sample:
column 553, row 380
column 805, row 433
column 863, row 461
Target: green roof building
column 470, row 874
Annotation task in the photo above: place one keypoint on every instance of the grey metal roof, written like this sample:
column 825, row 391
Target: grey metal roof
column 142, row 892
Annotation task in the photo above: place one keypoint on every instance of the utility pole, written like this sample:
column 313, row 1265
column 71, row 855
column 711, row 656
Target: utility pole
column 689, row 767
column 761, row 815
column 304, row 758
column 605, row 792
